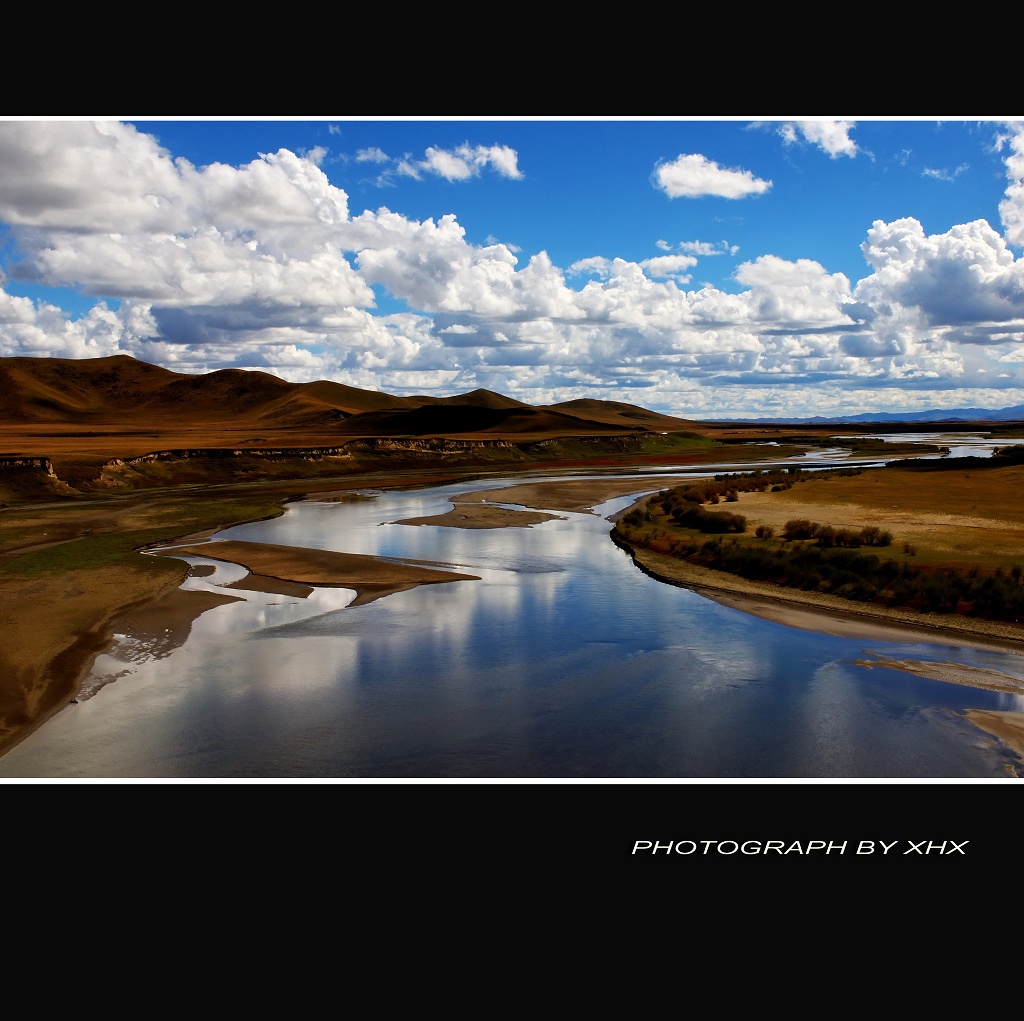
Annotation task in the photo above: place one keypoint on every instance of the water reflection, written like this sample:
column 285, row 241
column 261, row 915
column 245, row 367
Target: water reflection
column 979, row 444
column 563, row 661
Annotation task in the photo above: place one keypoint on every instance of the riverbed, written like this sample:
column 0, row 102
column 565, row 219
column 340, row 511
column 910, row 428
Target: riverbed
column 552, row 657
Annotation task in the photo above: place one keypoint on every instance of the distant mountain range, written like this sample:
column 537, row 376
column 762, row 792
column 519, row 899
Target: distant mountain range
column 120, row 390
column 937, row 416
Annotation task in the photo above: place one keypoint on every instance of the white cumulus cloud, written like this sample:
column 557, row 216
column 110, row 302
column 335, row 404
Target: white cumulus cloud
column 1011, row 209
column 967, row 274
column 264, row 265
column 693, row 176
column 468, row 161
column 832, row 137
column 669, row 265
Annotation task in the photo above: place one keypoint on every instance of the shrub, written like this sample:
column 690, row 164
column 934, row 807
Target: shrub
column 799, row 528
column 709, row 521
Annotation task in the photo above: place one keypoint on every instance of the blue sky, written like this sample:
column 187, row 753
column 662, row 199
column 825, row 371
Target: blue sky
column 705, row 268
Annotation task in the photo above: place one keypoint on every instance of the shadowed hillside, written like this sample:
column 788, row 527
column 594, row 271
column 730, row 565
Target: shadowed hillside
column 451, row 419
column 118, row 423
column 70, row 390
column 122, row 390
column 475, row 398
column 626, row 415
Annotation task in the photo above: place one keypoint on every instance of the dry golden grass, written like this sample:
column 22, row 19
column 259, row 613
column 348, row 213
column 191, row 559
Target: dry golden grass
column 53, row 627
column 957, row 517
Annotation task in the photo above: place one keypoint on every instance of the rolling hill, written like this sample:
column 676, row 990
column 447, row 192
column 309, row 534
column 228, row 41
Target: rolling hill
column 117, row 421
column 122, row 391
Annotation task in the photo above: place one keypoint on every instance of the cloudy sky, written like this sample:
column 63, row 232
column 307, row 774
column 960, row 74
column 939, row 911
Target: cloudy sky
column 704, row 268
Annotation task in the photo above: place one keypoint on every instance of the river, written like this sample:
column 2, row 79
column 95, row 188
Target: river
column 564, row 661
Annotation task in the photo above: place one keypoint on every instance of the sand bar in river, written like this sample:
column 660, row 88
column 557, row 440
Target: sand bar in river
column 370, row 577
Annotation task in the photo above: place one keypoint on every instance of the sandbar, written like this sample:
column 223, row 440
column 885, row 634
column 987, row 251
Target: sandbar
column 953, row 673
column 579, row 495
column 480, row 510
column 466, row 515
column 1007, row 727
column 370, row 577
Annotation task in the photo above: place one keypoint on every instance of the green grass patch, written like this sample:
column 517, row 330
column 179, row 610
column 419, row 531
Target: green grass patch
column 86, row 552
column 109, row 546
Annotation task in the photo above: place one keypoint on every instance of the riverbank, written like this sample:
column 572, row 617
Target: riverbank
column 829, row 614
column 815, row 611
column 54, row 628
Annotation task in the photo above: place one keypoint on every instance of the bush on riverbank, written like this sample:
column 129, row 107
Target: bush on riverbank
column 865, row 577
column 817, row 557
column 828, row 536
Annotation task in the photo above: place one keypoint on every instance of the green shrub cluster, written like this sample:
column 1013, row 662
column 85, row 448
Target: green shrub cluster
column 714, row 522
column 829, row 536
column 865, row 577
column 728, row 487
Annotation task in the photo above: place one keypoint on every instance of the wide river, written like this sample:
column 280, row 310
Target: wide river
column 564, row 661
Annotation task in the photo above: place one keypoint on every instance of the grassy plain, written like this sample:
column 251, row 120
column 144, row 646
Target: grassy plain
column 953, row 518
column 967, row 520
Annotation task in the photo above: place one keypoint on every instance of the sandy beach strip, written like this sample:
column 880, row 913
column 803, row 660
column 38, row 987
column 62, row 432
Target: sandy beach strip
column 1006, row 727
column 819, row 611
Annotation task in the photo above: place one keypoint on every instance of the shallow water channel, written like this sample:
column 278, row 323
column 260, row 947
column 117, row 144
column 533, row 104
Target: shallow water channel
column 563, row 661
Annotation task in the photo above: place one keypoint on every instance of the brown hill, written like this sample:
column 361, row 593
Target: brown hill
column 443, row 419
column 475, row 398
column 241, row 393
column 120, row 388
column 627, row 415
column 67, row 390
column 84, row 417
column 351, row 400
column 118, row 423
column 123, row 392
